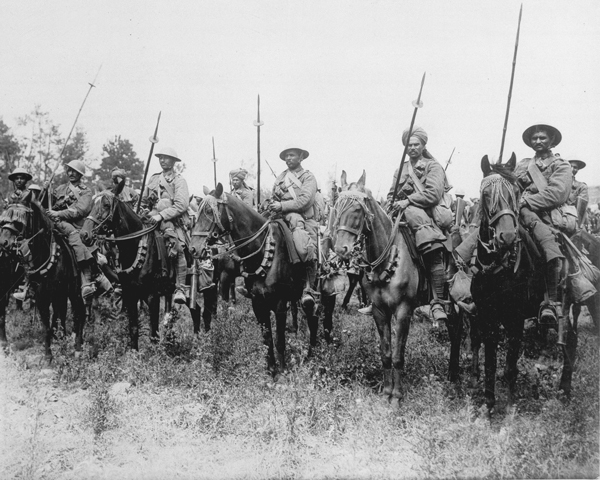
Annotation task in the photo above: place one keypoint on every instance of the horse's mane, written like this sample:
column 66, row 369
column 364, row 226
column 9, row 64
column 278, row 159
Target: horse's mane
column 504, row 171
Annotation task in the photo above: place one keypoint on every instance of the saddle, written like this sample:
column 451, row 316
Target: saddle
column 290, row 247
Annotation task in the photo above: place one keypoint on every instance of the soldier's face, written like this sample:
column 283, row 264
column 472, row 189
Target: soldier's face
column 575, row 169
column 293, row 158
column 415, row 148
column 20, row 181
column 236, row 182
column 74, row 176
column 166, row 163
column 541, row 141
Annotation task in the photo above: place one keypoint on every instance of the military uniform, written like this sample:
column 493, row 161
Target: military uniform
column 130, row 196
column 16, row 196
column 72, row 205
column 245, row 194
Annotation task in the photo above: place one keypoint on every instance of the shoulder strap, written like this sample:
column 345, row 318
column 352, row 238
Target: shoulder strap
column 290, row 178
column 418, row 185
column 74, row 190
column 536, row 175
column 167, row 186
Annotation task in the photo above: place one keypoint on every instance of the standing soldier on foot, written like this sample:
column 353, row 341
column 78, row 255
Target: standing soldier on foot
column 166, row 197
column 293, row 197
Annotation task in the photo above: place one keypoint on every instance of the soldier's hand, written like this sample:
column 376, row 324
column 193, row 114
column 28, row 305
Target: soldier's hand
column 401, row 204
column 53, row 215
column 156, row 218
column 275, row 207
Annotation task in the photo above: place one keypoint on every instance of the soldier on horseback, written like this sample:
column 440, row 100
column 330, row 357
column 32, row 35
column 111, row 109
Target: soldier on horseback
column 166, row 199
column 19, row 177
column 545, row 183
column 72, row 204
column 578, row 196
column 293, row 197
column 422, row 190
column 239, row 188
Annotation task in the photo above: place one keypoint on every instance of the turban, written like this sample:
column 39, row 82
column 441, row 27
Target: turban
column 118, row 172
column 240, row 173
column 417, row 132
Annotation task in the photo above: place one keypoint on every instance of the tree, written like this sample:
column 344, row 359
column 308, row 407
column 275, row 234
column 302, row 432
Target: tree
column 10, row 150
column 119, row 153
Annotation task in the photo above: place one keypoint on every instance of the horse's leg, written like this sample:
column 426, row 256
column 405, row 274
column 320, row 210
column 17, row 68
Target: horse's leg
column 593, row 305
column 3, row 339
column 569, row 352
column 475, row 347
column 210, row 306
column 44, row 309
column 224, row 285
column 400, row 329
column 313, row 326
column 294, row 311
column 382, row 320
column 455, row 328
column 130, row 301
column 263, row 315
column 514, row 331
column 154, row 310
column 352, row 280
column 281, row 319
column 328, row 302
column 490, row 341
column 195, row 314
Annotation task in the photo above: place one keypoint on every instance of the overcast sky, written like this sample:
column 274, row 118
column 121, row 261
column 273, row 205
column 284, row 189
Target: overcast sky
column 335, row 77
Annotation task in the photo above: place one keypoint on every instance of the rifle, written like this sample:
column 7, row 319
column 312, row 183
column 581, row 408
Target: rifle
column 272, row 171
column 153, row 140
column 417, row 104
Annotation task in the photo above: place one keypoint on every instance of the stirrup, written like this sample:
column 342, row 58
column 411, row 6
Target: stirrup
column 179, row 297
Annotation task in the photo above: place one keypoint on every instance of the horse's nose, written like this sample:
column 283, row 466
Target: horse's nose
column 506, row 239
column 342, row 251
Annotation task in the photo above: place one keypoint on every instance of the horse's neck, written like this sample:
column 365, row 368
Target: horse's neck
column 246, row 222
column 126, row 221
column 379, row 235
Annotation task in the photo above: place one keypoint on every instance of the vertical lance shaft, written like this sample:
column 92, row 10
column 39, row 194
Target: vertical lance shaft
column 417, row 104
column 258, row 123
column 214, row 159
column 153, row 140
column 92, row 85
column 512, row 77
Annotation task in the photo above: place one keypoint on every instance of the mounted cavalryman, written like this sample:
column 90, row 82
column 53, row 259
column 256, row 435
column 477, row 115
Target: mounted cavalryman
column 72, row 203
column 166, row 200
column 239, row 188
column 293, row 197
column 19, row 177
column 579, row 197
column 545, row 183
column 426, row 208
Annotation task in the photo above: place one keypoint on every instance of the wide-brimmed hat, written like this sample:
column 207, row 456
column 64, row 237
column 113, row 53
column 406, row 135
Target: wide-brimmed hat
column 168, row 152
column 552, row 131
column 35, row 186
column 19, row 171
column 77, row 165
column 287, row 149
column 578, row 163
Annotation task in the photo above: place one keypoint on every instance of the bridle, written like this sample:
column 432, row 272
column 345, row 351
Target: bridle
column 103, row 225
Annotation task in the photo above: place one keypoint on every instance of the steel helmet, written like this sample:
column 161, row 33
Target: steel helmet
column 35, row 186
column 459, row 191
column 168, row 152
column 77, row 165
column 20, row 171
column 293, row 147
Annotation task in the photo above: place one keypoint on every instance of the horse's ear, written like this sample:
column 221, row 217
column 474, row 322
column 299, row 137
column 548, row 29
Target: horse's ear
column 219, row 190
column 512, row 162
column 343, row 180
column 205, row 190
column 118, row 188
column 362, row 180
column 485, row 166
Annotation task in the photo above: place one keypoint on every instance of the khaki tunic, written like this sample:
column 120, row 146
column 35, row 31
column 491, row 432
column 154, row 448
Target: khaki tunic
column 245, row 194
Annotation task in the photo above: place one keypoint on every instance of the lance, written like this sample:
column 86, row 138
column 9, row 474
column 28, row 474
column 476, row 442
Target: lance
column 512, row 77
column 153, row 141
column 449, row 160
column 214, row 160
column 417, row 104
column 271, row 168
column 49, row 183
column 258, row 124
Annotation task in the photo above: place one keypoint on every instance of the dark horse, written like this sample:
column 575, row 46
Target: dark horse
column 508, row 284
column 393, row 291
column 143, row 265
column 271, row 278
column 51, row 267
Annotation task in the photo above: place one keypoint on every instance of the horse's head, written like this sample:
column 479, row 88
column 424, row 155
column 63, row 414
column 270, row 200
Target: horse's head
column 211, row 222
column 100, row 218
column 351, row 216
column 499, row 204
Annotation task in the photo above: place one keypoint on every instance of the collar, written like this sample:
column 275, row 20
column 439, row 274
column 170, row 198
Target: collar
column 545, row 159
column 297, row 172
column 169, row 175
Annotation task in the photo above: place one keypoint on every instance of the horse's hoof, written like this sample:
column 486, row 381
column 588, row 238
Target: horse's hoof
column 395, row 403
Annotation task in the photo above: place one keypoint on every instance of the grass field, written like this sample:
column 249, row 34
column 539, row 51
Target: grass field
column 204, row 407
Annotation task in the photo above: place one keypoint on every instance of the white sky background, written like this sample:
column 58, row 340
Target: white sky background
column 336, row 77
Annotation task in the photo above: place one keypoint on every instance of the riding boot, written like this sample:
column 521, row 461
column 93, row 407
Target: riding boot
column 434, row 262
column 309, row 296
column 548, row 310
column 88, row 287
column 179, row 295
